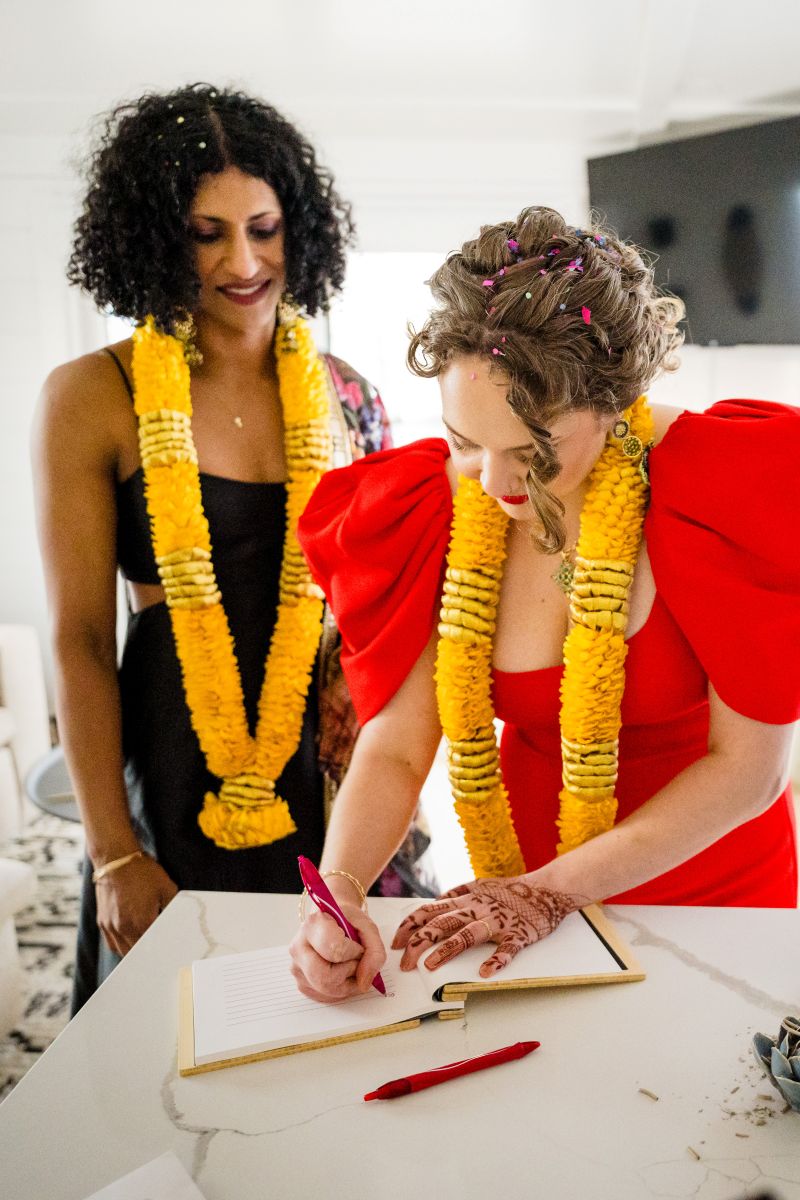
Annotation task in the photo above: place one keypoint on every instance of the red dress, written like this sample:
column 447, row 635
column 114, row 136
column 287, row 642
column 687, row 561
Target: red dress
column 721, row 534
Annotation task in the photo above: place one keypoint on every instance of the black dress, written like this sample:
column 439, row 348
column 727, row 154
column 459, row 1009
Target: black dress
column 165, row 771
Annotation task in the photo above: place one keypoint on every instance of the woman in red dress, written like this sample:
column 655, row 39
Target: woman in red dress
column 542, row 340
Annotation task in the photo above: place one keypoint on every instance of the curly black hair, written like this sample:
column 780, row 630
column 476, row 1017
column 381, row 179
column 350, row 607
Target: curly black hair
column 132, row 251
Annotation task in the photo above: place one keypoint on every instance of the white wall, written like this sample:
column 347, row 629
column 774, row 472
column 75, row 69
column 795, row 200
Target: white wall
column 42, row 323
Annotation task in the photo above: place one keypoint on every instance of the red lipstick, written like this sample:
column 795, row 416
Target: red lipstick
column 245, row 294
column 513, row 499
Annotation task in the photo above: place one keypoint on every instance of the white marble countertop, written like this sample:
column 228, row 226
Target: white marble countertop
column 567, row 1123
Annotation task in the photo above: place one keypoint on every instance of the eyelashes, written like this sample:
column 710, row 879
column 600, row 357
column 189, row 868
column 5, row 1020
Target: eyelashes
column 206, row 239
column 467, row 448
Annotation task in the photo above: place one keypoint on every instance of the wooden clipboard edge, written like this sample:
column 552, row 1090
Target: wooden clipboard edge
column 188, row 1066
column 631, row 972
column 605, row 929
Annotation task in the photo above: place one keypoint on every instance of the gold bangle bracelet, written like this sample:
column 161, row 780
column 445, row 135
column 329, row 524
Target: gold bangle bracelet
column 114, row 865
column 301, row 908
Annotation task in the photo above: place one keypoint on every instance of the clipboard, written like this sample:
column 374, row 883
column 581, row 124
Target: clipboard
column 441, row 994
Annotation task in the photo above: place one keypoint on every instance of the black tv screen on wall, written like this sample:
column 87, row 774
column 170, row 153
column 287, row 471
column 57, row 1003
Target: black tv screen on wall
column 722, row 214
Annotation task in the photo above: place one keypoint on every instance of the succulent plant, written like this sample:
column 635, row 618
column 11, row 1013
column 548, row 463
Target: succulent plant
column 779, row 1058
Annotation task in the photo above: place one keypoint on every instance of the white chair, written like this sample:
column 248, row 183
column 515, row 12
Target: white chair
column 24, row 720
column 10, row 801
column 17, row 889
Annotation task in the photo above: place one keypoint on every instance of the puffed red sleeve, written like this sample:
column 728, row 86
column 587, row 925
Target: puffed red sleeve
column 375, row 536
column 722, row 534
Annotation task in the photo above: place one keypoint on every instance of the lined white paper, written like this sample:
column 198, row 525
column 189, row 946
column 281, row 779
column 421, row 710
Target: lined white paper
column 574, row 949
column 249, row 1002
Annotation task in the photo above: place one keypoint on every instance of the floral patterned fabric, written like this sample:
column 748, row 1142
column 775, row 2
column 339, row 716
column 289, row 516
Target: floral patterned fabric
column 362, row 407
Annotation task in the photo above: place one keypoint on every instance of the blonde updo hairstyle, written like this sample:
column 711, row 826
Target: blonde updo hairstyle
column 533, row 326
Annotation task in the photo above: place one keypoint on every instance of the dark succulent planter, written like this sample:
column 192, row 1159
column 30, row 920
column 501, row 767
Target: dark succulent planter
column 779, row 1058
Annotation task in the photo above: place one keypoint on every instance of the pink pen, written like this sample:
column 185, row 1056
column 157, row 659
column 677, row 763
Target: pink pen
column 320, row 893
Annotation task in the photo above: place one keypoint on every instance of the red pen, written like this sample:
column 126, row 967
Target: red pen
column 321, row 895
column 426, row 1079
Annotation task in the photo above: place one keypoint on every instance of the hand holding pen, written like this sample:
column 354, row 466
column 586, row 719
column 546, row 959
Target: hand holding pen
column 327, row 963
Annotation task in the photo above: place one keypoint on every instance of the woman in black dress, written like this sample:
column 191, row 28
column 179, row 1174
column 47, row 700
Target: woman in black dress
column 204, row 209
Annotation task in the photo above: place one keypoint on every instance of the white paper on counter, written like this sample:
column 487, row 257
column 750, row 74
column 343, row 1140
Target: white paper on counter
column 165, row 1178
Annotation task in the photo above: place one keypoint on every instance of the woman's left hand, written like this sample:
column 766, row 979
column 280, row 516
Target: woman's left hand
column 513, row 913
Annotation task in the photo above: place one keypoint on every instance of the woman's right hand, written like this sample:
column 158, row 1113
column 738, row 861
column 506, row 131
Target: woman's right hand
column 130, row 899
column 327, row 965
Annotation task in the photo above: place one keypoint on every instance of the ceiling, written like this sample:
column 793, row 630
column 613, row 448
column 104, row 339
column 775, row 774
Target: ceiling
column 435, row 115
column 607, row 76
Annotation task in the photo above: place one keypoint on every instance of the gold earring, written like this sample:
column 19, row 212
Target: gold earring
column 185, row 331
column 632, row 446
column 288, row 309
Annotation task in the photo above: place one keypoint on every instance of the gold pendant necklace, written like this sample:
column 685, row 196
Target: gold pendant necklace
column 565, row 575
column 237, row 420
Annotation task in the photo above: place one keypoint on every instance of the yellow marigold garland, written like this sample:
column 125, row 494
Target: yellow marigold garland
column 594, row 655
column 247, row 811
column 595, row 648
column 464, row 680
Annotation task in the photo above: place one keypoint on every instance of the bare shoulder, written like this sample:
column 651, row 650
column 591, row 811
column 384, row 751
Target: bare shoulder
column 92, row 379
column 85, row 406
column 664, row 416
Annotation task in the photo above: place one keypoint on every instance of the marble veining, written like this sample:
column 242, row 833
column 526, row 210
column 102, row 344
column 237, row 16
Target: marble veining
column 574, row 1119
column 741, row 987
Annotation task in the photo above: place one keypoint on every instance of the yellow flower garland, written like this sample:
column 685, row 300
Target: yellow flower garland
column 247, row 811
column 594, row 655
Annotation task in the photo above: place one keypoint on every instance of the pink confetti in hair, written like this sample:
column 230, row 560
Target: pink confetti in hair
column 488, row 283
column 542, row 271
column 513, row 245
column 586, row 313
column 502, row 271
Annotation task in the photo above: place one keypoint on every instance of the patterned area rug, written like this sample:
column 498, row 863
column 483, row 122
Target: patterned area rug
column 46, row 936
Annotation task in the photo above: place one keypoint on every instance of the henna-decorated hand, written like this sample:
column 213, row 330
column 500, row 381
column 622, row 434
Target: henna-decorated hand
column 513, row 913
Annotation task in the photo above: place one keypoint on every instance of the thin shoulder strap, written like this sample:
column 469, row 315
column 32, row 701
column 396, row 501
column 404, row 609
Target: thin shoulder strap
column 121, row 370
